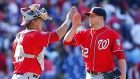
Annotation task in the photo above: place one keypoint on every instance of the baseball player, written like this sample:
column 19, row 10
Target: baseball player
column 99, row 45
column 28, row 55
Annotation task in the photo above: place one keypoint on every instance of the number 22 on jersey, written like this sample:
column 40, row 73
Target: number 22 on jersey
column 85, row 52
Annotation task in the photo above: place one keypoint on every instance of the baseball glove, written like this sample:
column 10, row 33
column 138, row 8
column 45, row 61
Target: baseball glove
column 112, row 75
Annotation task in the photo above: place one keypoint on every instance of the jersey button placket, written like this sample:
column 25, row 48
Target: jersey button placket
column 93, row 49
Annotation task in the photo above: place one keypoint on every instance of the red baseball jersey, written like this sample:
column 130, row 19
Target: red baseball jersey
column 33, row 43
column 98, row 48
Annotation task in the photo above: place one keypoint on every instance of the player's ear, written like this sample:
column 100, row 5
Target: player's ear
column 102, row 17
column 33, row 22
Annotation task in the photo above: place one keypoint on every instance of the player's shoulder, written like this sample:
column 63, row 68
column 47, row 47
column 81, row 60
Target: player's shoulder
column 111, row 31
column 38, row 34
column 32, row 33
column 20, row 32
column 85, row 30
column 35, row 32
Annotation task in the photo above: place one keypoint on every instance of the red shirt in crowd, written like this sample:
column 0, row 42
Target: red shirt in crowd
column 3, row 65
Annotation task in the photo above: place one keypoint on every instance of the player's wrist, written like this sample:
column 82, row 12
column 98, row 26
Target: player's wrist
column 74, row 28
column 123, row 76
column 67, row 21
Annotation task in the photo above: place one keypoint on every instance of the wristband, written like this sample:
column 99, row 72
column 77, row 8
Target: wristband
column 67, row 21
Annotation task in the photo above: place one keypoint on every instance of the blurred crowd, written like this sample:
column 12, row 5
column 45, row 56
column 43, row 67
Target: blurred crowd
column 66, row 62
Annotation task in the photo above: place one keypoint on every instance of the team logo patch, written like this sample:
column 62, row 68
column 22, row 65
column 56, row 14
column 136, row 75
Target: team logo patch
column 103, row 44
column 118, row 42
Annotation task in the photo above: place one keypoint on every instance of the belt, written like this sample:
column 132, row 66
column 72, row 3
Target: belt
column 30, row 75
column 94, row 73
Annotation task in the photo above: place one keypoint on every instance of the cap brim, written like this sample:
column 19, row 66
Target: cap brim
column 24, row 23
column 88, row 13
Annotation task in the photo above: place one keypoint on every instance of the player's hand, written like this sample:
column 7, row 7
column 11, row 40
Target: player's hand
column 122, row 77
column 71, row 13
column 76, row 23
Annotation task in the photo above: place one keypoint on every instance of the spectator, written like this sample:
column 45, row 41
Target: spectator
column 133, row 72
column 50, row 69
column 3, row 65
column 135, row 34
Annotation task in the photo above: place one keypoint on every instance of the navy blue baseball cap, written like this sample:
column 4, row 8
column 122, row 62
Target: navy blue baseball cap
column 97, row 10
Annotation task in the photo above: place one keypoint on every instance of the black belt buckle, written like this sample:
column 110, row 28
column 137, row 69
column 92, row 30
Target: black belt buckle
column 34, row 75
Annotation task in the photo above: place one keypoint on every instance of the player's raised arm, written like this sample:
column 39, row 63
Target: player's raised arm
column 75, row 24
column 63, row 28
